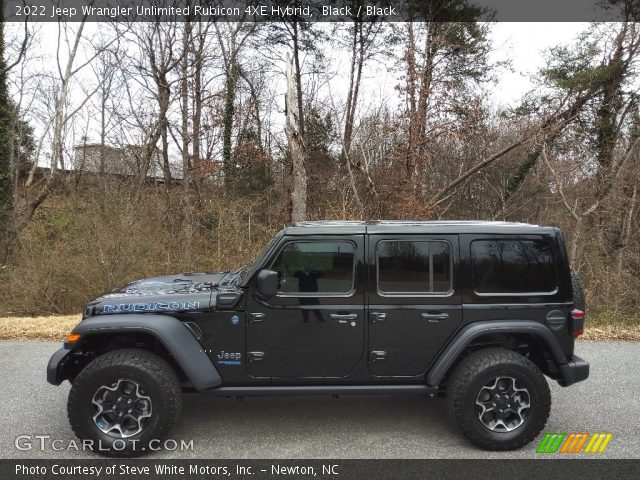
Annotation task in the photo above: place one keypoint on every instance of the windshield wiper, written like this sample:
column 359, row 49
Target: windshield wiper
column 231, row 276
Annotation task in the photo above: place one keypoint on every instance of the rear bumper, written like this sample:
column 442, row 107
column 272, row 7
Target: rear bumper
column 56, row 365
column 576, row 370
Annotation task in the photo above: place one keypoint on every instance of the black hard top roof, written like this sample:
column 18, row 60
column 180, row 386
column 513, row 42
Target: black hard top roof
column 354, row 227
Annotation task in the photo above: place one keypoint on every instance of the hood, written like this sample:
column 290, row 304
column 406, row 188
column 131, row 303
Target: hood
column 171, row 293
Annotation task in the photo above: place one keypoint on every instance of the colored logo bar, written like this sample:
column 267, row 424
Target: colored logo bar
column 574, row 443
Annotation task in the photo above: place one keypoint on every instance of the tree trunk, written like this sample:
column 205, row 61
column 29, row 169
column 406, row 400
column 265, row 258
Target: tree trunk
column 166, row 166
column 197, row 105
column 298, row 78
column 196, row 118
column 229, row 112
column 184, row 94
column 157, row 131
column 355, row 77
column 296, row 147
column 517, row 180
column 610, row 105
column 6, row 142
column 627, row 228
column 575, row 242
column 424, row 95
column 411, row 94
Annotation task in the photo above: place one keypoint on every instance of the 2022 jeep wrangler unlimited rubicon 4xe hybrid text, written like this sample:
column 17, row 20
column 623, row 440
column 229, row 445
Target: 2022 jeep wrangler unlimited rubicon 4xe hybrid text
column 477, row 311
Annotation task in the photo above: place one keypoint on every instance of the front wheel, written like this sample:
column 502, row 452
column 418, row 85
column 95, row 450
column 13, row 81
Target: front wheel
column 123, row 400
column 499, row 399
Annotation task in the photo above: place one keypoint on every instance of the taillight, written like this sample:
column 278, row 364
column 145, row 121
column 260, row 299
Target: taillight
column 577, row 322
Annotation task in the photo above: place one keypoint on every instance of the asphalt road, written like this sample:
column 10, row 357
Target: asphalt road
column 324, row 427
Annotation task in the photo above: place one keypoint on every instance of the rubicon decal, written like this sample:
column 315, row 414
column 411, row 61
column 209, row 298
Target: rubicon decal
column 574, row 443
column 151, row 307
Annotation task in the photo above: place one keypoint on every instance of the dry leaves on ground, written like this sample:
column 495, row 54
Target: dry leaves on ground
column 37, row 328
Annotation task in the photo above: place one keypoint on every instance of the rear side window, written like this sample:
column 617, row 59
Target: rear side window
column 513, row 267
column 414, row 267
column 316, row 268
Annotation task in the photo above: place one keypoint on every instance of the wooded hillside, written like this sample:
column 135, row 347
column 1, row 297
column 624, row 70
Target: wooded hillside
column 207, row 100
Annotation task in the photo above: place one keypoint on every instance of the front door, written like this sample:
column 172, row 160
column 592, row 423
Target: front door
column 414, row 301
column 314, row 326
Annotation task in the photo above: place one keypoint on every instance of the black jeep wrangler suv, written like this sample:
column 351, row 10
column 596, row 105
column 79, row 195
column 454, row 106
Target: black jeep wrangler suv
column 480, row 312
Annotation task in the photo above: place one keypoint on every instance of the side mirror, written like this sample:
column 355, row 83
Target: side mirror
column 267, row 283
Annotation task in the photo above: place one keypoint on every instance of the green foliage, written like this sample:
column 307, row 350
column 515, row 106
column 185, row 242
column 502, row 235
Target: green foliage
column 253, row 165
column 320, row 132
column 55, row 224
column 444, row 10
column 590, row 82
column 231, row 84
column 575, row 69
column 282, row 33
column 585, row 64
column 321, row 137
column 462, row 46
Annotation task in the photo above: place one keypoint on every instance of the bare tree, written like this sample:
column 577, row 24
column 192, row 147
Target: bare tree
column 158, row 57
column 231, row 39
column 62, row 113
column 361, row 39
column 296, row 147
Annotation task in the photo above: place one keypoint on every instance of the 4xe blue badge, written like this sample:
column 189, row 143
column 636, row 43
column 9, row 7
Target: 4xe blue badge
column 235, row 319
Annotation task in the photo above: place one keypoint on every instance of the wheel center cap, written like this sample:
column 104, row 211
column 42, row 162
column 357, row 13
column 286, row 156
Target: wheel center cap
column 502, row 401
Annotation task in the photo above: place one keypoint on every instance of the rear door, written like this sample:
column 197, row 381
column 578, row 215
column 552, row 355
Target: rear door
column 414, row 302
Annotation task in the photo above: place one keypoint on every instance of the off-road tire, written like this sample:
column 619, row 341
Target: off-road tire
column 469, row 377
column 152, row 373
column 579, row 300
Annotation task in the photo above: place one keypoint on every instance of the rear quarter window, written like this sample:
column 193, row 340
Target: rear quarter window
column 513, row 267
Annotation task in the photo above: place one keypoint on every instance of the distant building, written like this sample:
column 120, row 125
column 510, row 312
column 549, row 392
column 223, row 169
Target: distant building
column 124, row 161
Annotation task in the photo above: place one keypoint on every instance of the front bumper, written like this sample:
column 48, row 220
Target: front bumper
column 56, row 366
column 576, row 370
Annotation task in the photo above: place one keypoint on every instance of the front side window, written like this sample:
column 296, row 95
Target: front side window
column 414, row 267
column 513, row 266
column 316, row 268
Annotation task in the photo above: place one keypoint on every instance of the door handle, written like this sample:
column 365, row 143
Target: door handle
column 344, row 317
column 375, row 317
column 255, row 356
column 256, row 317
column 434, row 317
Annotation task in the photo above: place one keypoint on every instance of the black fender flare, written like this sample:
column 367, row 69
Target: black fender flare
column 170, row 332
column 465, row 336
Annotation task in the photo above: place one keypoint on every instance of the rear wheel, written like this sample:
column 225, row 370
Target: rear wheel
column 122, row 400
column 499, row 399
